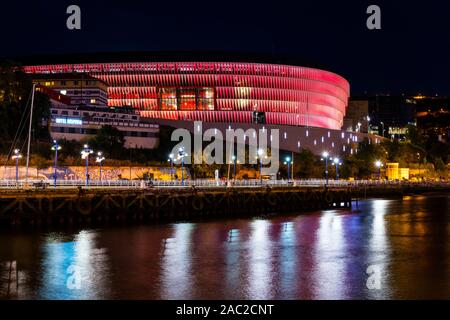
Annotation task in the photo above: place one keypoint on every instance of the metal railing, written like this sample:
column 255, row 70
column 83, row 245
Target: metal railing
column 141, row 184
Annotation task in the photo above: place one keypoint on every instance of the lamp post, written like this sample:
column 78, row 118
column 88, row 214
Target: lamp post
column 288, row 162
column 100, row 158
column 16, row 156
column 181, row 155
column 418, row 157
column 325, row 156
column 56, row 147
column 378, row 164
column 234, row 160
column 337, row 163
column 171, row 165
column 85, row 155
column 260, row 154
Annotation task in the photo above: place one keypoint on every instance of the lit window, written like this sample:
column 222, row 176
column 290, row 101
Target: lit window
column 93, row 101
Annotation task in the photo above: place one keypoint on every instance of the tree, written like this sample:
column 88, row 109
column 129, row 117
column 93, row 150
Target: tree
column 365, row 157
column 306, row 165
column 109, row 140
column 15, row 99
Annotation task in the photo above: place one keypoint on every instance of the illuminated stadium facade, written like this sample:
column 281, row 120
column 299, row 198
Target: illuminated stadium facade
column 220, row 92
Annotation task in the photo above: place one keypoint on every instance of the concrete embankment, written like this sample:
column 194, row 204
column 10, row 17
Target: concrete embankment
column 75, row 207
column 396, row 191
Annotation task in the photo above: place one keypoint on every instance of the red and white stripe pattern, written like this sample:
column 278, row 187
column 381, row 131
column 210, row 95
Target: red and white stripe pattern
column 289, row 95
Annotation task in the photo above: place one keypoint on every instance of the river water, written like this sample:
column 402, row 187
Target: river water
column 381, row 249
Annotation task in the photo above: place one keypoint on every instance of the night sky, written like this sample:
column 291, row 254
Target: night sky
column 409, row 55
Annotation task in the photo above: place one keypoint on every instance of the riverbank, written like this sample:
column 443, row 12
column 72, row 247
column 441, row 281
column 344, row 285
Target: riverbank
column 397, row 191
column 101, row 206
column 98, row 206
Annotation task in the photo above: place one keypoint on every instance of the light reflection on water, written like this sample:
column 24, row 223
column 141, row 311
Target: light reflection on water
column 74, row 269
column 322, row 255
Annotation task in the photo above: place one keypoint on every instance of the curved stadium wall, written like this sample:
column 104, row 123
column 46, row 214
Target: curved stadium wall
column 221, row 91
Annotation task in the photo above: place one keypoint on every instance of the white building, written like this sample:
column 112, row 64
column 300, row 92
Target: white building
column 83, row 123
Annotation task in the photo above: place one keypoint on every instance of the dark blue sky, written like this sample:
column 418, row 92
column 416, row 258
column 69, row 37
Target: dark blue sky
column 410, row 54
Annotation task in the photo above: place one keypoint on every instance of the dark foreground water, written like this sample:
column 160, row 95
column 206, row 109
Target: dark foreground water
column 384, row 249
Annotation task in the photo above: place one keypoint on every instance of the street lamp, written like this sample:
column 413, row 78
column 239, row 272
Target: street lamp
column 325, row 156
column 85, row 155
column 260, row 154
column 171, row 165
column 382, row 130
column 100, row 158
column 234, row 158
column 56, row 147
column 16, row 156
column 181, row 155
column 378, row 164
column 418, row 157
column 337, row 163
column 288, row 162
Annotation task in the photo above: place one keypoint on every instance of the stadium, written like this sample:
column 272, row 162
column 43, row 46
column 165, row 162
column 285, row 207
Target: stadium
column 221, row 91
column 307, row 103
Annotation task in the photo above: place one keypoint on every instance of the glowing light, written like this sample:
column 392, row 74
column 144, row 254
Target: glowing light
column 281, row 106
column 71, row 121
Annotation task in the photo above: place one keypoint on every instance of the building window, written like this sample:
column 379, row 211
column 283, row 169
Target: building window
column 167, row 98
column 205, row 99
column 186, row 98
column 93, row 101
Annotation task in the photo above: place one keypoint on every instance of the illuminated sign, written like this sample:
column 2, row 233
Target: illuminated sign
column 72, row 121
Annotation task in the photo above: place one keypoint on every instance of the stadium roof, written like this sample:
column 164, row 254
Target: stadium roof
column 166, row 56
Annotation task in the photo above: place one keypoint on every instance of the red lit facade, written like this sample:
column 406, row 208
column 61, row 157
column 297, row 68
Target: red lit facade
column 221, row 91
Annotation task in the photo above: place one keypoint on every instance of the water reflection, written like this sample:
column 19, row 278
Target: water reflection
column 177, row 263
column 287, row 274
column 379, row 246
column 73, row 269
column 329, row 251
column 321, row 255
column 259, row 262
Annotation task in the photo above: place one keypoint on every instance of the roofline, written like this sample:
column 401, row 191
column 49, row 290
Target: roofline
column 167, row 56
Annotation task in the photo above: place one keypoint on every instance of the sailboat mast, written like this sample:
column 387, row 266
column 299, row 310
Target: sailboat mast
column 29, row 132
